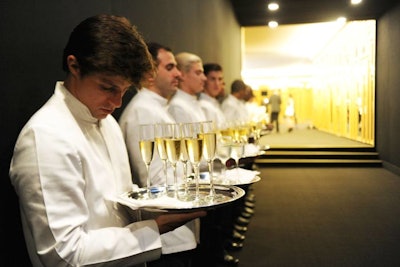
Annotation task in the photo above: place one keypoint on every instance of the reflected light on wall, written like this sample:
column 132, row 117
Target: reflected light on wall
column 341, row 20
column 292, row 59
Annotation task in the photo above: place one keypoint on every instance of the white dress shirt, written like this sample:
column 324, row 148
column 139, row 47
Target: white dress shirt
column 65, row 168
column 186, row 108
column 147, row 107
column 212, row 109
column 234, row 109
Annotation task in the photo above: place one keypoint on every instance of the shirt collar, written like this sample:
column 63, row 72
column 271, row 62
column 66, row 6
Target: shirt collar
column 148, row 93
column 186, row 96
column 77, row 108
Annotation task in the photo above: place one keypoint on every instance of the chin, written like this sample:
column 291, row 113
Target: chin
column 102, row 116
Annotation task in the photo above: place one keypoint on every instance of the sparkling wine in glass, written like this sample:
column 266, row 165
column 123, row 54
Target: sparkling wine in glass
column 209, row 135
column 184, row 158
column 173, row 149
column 160, row 136
column 146, row 145
column 194, row 146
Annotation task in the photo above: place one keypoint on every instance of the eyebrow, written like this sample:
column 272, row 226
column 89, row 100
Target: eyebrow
column 112, row 84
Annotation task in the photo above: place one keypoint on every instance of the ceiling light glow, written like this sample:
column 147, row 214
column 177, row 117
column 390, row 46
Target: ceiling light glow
column 273, row 24
column 355, row 2
column 273, row 6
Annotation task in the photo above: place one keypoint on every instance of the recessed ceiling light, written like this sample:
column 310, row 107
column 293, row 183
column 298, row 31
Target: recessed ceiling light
column 273, row 6
column 355, row 2
column 341, row 20
column 273, row 24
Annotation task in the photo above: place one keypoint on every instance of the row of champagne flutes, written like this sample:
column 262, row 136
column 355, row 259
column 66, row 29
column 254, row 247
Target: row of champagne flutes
column 233, row 137
column 184, row 142
column 192, row 143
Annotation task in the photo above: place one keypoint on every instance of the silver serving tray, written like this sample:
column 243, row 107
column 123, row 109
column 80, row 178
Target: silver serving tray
column 224, row 195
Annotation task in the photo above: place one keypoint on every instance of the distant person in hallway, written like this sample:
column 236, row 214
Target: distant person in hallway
column 275, row 102
column 290, row 114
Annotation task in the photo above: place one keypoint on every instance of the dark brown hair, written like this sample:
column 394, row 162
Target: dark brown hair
column 109, row 44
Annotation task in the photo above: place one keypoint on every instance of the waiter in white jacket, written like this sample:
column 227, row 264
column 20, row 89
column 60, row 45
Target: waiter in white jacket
column 70, row 158
column 149, row 106
column 184, row 105
column 234, row 106
column 212, row 88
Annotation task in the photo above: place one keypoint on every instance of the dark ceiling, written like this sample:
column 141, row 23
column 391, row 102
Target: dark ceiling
column 255, row 12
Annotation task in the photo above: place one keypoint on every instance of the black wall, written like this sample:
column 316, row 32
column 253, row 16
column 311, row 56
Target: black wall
column 388, row 89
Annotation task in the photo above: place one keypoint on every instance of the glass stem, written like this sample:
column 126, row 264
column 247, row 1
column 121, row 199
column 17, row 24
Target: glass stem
column 166, row 175
column 175, row 181
column 196, row 171
column 237, row 169
column 211, row 170
column 148, row 180
column 185, row 178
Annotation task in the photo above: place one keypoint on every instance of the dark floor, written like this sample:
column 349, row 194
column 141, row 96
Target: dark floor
column 317, row 217
column 322, row 216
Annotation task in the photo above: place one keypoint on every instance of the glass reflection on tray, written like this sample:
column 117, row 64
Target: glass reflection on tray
column 234, row 176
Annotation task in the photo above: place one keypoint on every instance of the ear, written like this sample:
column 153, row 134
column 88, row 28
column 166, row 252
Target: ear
column 150, row 77
column 73, row 65
column 147, row 80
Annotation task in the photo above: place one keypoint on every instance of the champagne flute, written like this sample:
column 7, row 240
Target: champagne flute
column 173, row 149
column 223, row 152
column 209, row 135
column 160, row 135
column 194, row 146
column 237, row 151
column 184, row 158
column 238, row 144
column 146, row 145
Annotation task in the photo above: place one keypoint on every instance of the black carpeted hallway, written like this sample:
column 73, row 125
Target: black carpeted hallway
column 318, row 217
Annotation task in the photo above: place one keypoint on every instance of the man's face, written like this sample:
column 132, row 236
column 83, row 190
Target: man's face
column 167, row 78
column 101, row 93
column 193, row 81
column 214, row 83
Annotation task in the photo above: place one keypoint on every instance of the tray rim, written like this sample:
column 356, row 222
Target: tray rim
column 237, row 191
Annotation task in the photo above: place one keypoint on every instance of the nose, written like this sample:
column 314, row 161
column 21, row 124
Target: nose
column 177, row 73
column 116, row 99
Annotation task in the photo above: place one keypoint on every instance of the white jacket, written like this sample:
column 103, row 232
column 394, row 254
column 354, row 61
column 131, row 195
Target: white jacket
column 186, row 108
column 65, row 168
column 147, row 107
column 234, row 109
column 212, row 109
